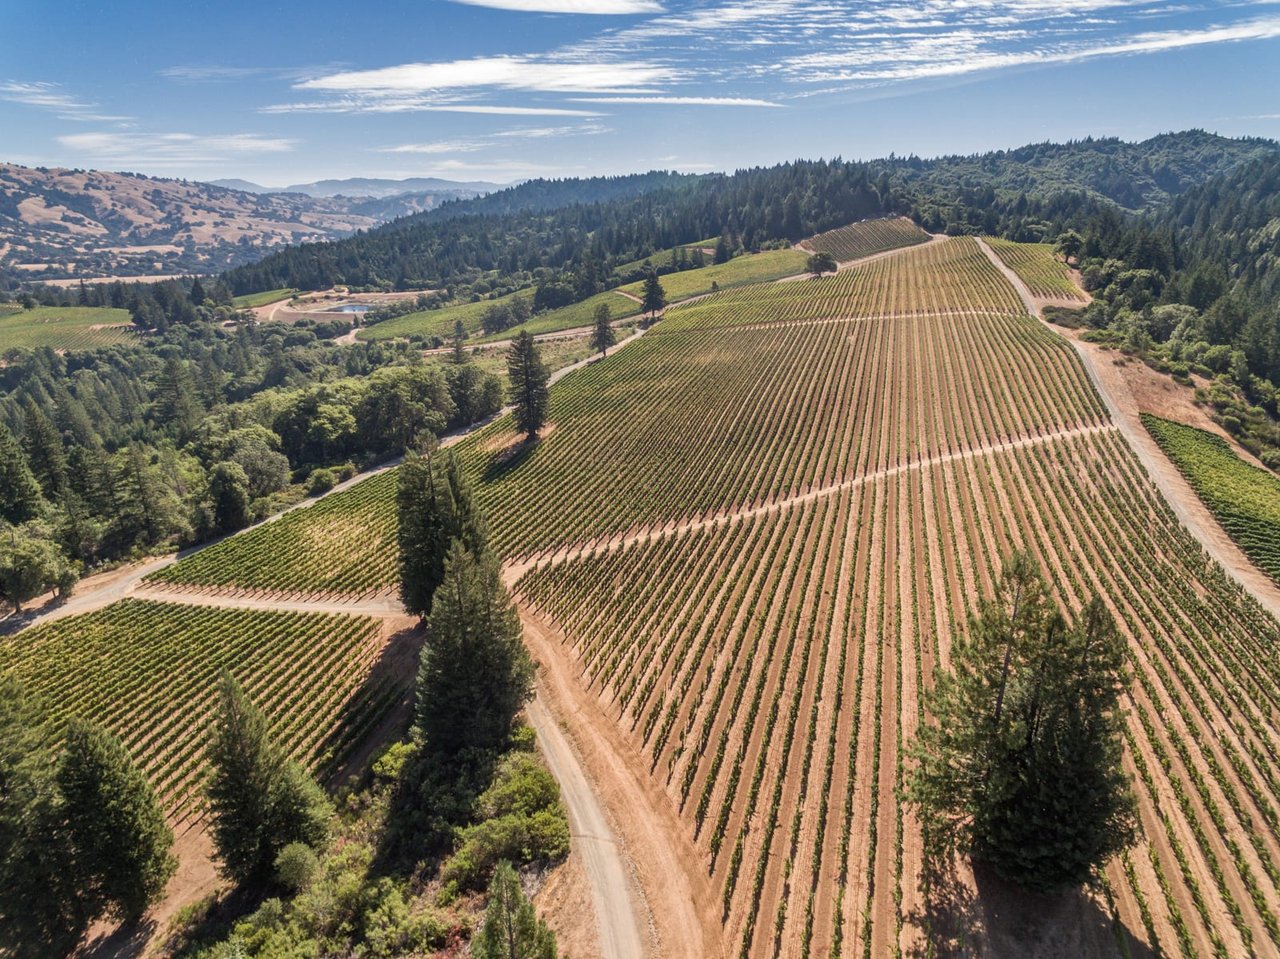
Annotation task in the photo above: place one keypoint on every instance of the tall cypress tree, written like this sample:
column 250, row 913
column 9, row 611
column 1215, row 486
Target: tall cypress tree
column 116, row 825
column 475, row 674
column 529, row 380
column 258, row 801
column 434, row 507
column 602, row 335
column 20, row 498
column 45, row 452
column 655, row 297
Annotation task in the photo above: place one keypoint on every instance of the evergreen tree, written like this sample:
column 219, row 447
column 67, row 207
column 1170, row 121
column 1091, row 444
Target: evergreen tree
column 602, row 336
column 197, row 292
column 258, row 801
column 529, row 380
column 45, row 452
column 723, row 253
column 116, row 826
column 459, row 339
column 20, row 498
column 434, row 508
column 1021, row 767
column 655, row 297
column 475, row 673
column 32, row 564
column 42, row 912
column 511, row 930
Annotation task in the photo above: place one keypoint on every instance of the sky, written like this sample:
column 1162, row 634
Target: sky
column 503, row 90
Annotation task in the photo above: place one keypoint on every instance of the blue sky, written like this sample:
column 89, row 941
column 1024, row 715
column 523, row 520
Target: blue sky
column 508, row 89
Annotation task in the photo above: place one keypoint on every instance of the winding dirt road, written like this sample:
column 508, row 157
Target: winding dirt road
column 1177, row 492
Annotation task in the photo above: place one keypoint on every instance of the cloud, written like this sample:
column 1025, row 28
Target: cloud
column 440, row 146
column 954, row 53
column 543, row 133
column 421, row 105
column 590, row 7
column 216, row 73
column 51, row 97
column 527, row 73
column 680, row 101
column 171, row 149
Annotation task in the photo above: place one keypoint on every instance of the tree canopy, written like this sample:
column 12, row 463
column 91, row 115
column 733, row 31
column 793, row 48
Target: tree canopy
column 1020, row 766
column 529, row 379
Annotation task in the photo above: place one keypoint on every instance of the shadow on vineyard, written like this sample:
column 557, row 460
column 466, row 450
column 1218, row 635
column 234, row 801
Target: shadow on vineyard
column 959, row 915
column 358, row 734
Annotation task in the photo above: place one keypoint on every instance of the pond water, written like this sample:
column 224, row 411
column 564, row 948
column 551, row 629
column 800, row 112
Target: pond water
column 349, row 308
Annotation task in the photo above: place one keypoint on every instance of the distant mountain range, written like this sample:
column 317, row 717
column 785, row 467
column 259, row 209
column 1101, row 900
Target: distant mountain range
column 364, row 186
column 66, row 224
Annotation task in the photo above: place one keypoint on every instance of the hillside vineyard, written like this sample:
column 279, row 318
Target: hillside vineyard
column 753, row 535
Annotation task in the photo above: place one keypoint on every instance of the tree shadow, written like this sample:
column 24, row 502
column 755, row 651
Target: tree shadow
column 994, row 918
column 510, row 458
column 376, row 713
column 123, row 942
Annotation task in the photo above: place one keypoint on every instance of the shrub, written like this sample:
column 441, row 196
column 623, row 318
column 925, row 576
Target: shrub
column 321, row 481
column 296, row 866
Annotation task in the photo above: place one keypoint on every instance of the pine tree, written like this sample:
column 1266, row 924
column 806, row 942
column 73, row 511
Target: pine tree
column 434, row 507
column 1021, row 768
column 602, row 336
column 20, row 498
column 723, row 253
column 511, row 930
column 197, row 292
column 45, row 452
column 475, row 674
column 459, row 339
column 529, row 380
column 258, row 801
column 116, row 825
column 655, row 297
column 42, row 912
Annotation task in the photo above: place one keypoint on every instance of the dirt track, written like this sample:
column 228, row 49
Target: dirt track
column 1188, row 507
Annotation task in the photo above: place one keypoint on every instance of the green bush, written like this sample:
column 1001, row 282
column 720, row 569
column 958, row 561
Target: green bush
column 321, row 481
column 296, row 866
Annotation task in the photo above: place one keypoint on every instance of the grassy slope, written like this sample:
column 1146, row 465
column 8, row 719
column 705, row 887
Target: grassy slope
column 251, row 300
column 65, row 328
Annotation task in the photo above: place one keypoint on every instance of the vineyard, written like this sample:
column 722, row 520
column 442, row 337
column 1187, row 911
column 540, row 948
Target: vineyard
column 740, row 271
column 953, row 277
column 65, row 328
column 1046, row 276
column 755, row 532
column 344, row 544
column 253, row 300
column 866, row 238
column 1244, row 498
column 148, row 671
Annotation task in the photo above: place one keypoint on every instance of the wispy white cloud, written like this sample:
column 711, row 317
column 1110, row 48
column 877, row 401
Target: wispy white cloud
column 683, row 101
column 438, row 147
column 413, row 104
column 527, row 73
column 170, row 149
column 543, row 133
column 218, row 73
column 51, row 97
column 590, row 7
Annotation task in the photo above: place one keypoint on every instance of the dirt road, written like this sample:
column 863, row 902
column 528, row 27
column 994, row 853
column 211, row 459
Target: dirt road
column 1186, row 505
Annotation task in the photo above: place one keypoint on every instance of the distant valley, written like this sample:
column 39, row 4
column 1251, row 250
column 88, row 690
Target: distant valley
column 62, row 224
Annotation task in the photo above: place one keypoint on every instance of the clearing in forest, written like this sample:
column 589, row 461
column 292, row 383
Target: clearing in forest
column 65, row 328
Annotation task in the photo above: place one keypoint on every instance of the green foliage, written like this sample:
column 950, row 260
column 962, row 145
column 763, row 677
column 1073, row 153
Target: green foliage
column 296, row 866
column 739, row 271
column 1021, row 767
column 519, row 819
column 31, row 564
column 20, row 498
column 434, row 508
column 251, row 300
column 42, row 912
column 65, row 328
column 258, row 801
column 512, row 930
column 475, row 673
column 602, row 335
column 654, row 298
column 1243, row 498
column 528, row 378
column 819, row 263
column 229, row 497
column 114, row 823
